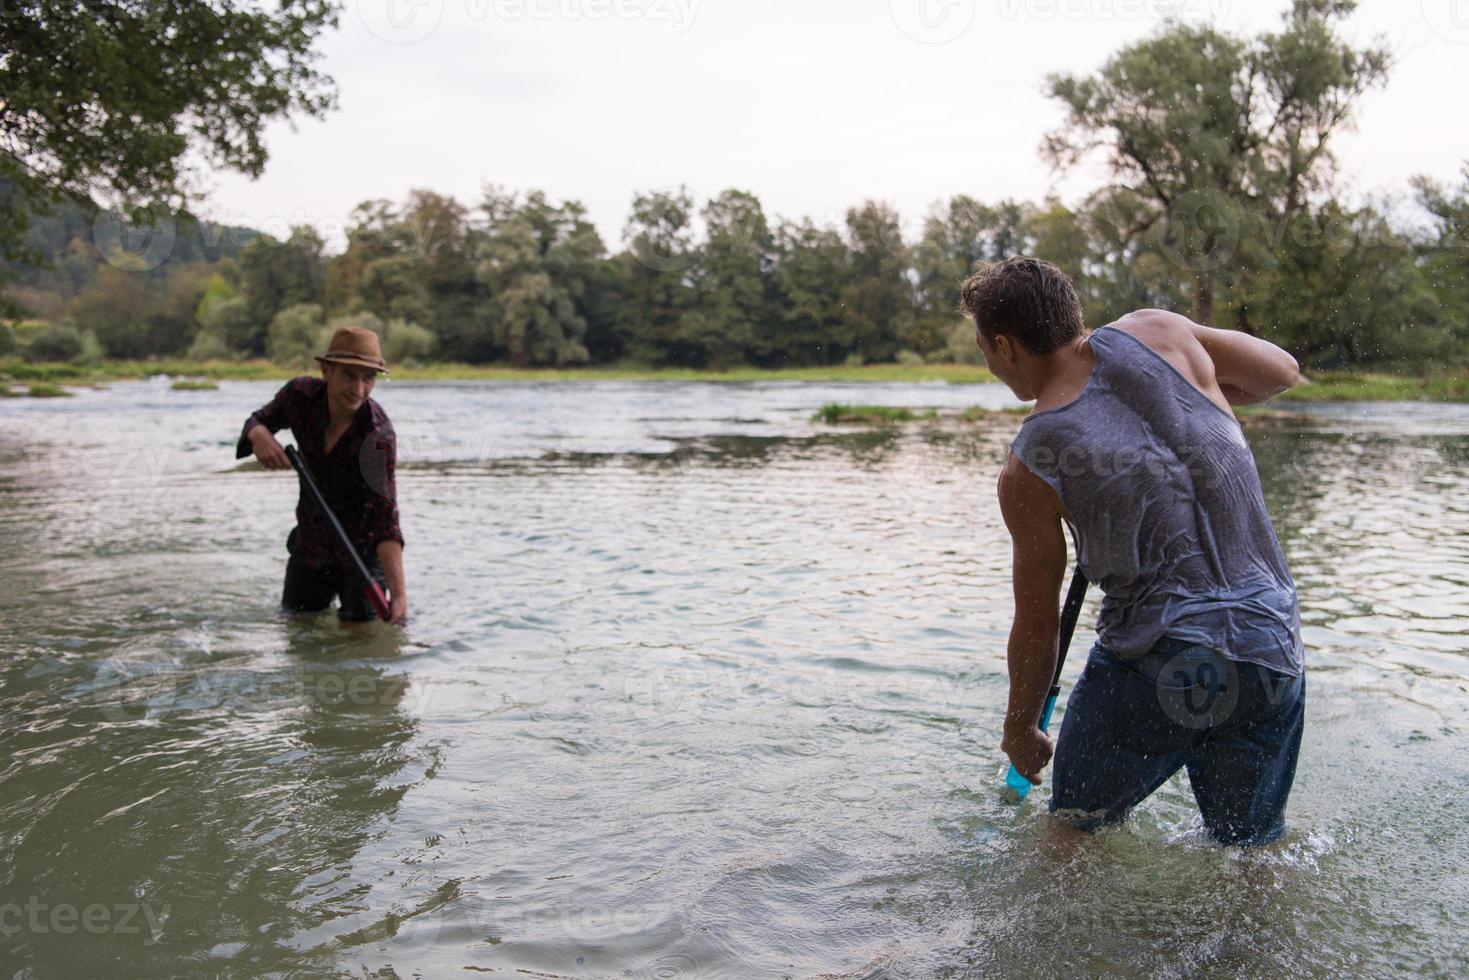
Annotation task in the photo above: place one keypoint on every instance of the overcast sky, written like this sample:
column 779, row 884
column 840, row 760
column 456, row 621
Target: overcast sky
column 813, row 105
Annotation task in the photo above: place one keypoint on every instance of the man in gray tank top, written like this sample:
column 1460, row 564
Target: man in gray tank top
column 1133, row 446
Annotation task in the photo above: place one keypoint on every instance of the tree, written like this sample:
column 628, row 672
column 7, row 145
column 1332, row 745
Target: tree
column 445, row 255
column 115, row 309
column 1216, row 136
column 1343, row 288
column 227, row 329
column 730, row 285
column 660, row 253
column 879, row 297
column 604, row 305
column 295, row 334
column 274, row 275
column 392, row 287
column 61, row 342
column 105, row 98
column 812, row 269
column 957, row 237
column 534, row 261
column 1444, row 255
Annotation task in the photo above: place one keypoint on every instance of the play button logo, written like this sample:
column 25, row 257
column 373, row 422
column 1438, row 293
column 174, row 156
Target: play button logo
column 932, row 21
column 401, row 21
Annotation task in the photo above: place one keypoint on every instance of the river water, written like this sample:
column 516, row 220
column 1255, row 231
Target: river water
column 694, row 687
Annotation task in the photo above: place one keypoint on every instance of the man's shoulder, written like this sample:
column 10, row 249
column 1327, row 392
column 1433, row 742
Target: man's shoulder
column 377, row 418
column 305, row 386
column 1169, row 336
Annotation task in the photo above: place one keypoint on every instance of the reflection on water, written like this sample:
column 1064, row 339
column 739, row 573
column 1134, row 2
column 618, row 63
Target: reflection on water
column 695, row 687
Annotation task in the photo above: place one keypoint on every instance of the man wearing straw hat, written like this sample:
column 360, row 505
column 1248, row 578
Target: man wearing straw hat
column 349, row 446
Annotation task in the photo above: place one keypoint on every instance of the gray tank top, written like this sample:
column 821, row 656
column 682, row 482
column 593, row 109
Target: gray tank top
column 1169, row 516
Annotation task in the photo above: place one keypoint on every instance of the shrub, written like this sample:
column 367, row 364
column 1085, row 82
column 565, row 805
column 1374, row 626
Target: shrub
column 962, row 346
column 407, row 342
column 44, row 389
column 210, row 346
column 56, row 342
column 293, row 334
column 229, row 326
column 7, row 340
column 909, row 358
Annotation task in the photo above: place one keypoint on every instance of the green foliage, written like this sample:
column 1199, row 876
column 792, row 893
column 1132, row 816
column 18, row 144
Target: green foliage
column 194, row 384
column 42, row 389
column 807, row 317
column 1212, row 138
column 276, row 275
column 534, row 262
column 729, row 302
column 655, row 268
column 8, row 343
column 1444, row 258
column 112, row 95
column 957, row 238
column 1342, row 288
column 216, row 290
column 295, row 335
column 877, row 299
column 58, row 342
column 407, row 343
column 978, row 413
column 130, row 319
column 391, row 287
column 227, row 329
column 836, row 413
column 962, row 344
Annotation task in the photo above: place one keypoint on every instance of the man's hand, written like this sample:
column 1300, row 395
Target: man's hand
column 1029, row 751
column 390, row 554
column 267, row 449
column 398, row 610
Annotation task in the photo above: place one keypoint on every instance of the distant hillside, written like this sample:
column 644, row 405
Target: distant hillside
column 73, row 242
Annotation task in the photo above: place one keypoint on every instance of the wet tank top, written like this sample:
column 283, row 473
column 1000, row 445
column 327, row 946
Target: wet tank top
column 1169, row 515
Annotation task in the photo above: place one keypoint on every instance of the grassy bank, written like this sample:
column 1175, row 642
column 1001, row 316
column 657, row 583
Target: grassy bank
column 103, row 371
column 1367, row 387
column 1338, row 386
column 836, row 413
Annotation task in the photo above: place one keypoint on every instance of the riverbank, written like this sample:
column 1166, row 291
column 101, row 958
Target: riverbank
column 1332, row 386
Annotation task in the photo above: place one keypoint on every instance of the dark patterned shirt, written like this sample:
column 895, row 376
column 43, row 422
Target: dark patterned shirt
column 356, row 477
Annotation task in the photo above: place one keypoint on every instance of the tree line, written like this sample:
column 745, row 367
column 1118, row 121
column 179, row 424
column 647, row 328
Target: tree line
column 1222, row 202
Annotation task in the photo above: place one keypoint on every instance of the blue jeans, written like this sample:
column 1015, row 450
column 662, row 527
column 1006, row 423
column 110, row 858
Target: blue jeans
column 1132, row 723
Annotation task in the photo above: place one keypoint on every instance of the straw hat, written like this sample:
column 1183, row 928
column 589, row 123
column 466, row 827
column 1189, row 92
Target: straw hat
column 357, row 346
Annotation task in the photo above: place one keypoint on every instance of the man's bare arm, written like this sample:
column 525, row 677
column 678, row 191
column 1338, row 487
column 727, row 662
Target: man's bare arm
column 390, row 554
column 1249, row 370
column 1244, row 370
column 1032, row 515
